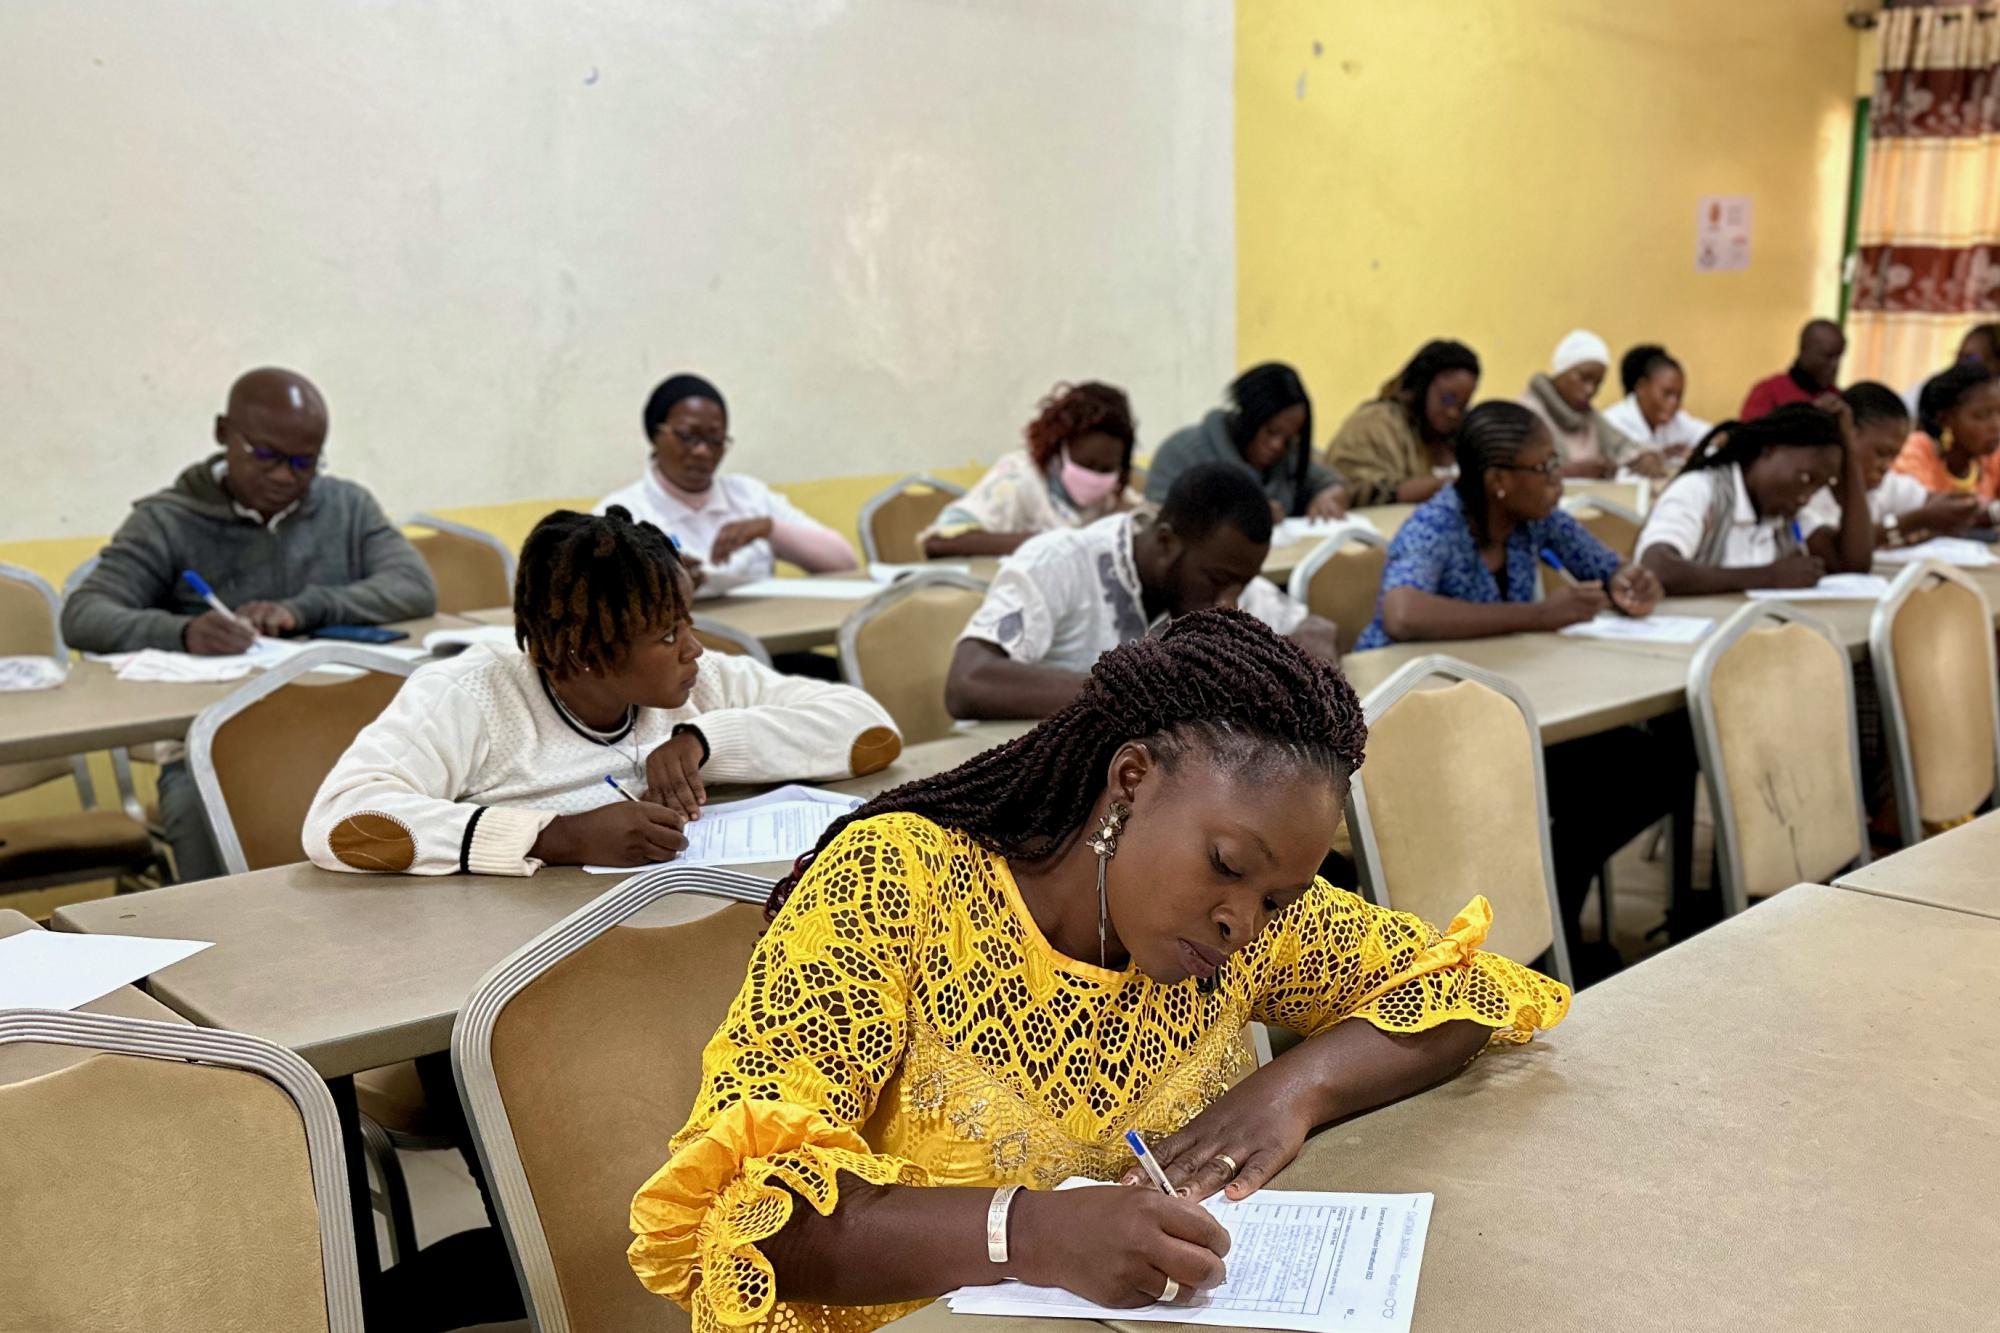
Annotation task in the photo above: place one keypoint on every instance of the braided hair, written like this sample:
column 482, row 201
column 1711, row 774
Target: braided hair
column 1217, row 680
column 1744, row 442
column 1642, row 361
column 590, row 586
column 1945, row 391
column 1491, row 435
column 1259, row 394
column 1072, row 411
column 1412, row 385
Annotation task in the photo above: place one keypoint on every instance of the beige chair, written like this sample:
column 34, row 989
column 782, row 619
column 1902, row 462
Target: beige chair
column 898, row 646
column 473, row 569
column 1771, row 696
column 891, row 521
column 717, row 637
column 1342, row 581
column 123, row 756
column 578, row 1059
column 1611, row 523
column 1452, row 802
column 66, row 848
column 1931, row 642
column 182, row 1178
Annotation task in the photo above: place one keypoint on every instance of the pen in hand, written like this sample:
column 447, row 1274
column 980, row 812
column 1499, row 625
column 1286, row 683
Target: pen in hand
column 207, row 594
column 1149, row 1163
column 612, row 783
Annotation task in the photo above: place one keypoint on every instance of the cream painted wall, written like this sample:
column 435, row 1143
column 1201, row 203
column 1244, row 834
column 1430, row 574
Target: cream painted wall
column 884, row 227
column 1502, row 172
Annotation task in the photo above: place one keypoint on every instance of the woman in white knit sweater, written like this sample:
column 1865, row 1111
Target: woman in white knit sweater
column 495, row 762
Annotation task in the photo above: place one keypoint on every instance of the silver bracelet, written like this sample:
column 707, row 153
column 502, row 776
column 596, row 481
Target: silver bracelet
column 996, row 1222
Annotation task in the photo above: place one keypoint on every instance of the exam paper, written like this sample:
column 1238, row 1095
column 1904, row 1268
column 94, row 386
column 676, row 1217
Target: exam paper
column 47, row 969
column 156, row 664
column 1831, row 588
column 1298, row 1259
column 1643, row 629
column 882, row 572
column 780, row 825
column 1318, row 529
column 823, row 590
column 1945, row 550
column 36, row 672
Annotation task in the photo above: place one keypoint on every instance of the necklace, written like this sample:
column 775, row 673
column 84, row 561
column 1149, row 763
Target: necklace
column 625, row 730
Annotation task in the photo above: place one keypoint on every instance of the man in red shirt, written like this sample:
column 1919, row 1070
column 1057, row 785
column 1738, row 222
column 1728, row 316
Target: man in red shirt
column 1814, row 375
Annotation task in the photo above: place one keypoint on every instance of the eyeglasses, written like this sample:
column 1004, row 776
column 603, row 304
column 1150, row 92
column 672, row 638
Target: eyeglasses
column 1549, row 470
column 694, row 439
column 300, row 463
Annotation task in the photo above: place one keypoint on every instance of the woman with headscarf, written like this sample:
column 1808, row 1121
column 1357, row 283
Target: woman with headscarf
column 1266, row 430
column 1588, row 445
column 1399, row 449
column 735, row 526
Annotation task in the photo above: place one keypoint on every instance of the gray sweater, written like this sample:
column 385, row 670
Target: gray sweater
column 1209, row 442
column 335, row 560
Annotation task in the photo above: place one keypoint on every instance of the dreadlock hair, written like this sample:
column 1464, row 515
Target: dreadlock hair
column 589, row 586
column 1871, row 402
column 1412, row 385
column 1642, row 361
column 1259, row 394
column 1744, row 442
column 1492, row 434
column 1219, row 681
column 1944, row 391
column 1071, row 411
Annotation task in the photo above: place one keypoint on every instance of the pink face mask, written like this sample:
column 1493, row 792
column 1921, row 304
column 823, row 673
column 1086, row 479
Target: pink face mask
column 1084, row 485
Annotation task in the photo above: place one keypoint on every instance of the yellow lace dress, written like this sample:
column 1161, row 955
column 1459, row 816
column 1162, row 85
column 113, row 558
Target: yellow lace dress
column 904, row 1022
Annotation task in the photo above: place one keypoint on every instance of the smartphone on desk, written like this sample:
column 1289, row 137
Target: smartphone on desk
column 359, row 633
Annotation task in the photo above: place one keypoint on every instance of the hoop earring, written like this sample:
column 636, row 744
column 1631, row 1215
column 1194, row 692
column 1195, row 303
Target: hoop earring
column 1105, row 843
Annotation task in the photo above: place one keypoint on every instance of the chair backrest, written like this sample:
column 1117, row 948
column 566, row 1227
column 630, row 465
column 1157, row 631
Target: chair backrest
column 185, row 1178
column 473, row 569
column 1342, row 581
column 1771, row 694
column 891, row 520
column 30, row 616
column 717, row 637
column 898, row 646
column 1452, row 802
column 578, row 1059
column 1931, row 642
column 259, row 755
column 1611, row 523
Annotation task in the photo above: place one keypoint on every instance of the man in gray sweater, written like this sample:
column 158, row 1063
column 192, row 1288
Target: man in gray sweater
column 285, row 548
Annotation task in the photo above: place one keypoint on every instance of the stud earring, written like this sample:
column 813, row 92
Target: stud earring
column 1105, row 843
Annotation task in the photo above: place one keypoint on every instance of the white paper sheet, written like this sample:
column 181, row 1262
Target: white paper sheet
column 1319, row 529
column 1831, row 588
column 1945, row 550
column 186, row 668
column 780, row 825
column 446, row 642
column 818, row 590
column 47, row 969
column 36, row 672
column 883, row 572
column 1297, row 1260
column 1646, row 629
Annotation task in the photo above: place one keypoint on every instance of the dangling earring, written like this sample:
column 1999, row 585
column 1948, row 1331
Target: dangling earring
column 1105, row 844
column 1945, row 440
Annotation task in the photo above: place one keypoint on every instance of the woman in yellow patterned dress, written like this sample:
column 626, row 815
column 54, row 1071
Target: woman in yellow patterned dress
column 981, row 980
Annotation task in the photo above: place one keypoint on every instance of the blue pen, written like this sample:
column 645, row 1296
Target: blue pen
column 612, row 783
column 1549, row 559
column 1147, row 1161
column 207, row 594
column 1798, row 538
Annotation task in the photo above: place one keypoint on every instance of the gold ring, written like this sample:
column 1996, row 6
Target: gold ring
column 1173, row 1290
column 1229, row 1162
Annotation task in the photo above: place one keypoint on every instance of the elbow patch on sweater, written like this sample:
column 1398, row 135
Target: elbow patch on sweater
column 372, row 840
column 874, row 750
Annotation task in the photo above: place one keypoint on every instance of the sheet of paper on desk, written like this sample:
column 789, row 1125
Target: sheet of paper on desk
column 38, row 671
column 1644, row 629
column 186, row 668
column 1944, row 550
column 820, row 590
column 1298, row 1259
column 883, row 572
column 47, row 969
column 1831, row 588
column 1318, row 529
column 780, row 825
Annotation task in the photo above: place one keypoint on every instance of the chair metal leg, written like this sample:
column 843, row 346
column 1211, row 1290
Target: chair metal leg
column 128, row 794
column 393, row 1201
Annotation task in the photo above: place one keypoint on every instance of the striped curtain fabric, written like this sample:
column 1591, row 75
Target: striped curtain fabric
column 1929, row 231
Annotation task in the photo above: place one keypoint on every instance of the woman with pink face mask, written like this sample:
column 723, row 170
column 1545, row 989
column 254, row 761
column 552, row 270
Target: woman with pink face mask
column 1073, row 472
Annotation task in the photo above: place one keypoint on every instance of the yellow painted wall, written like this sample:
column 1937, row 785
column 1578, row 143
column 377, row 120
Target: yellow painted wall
column 1501, row 171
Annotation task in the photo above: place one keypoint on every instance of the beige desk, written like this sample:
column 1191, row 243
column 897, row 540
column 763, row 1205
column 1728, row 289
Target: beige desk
column 358, row 971
column 30, row 1060
column 94, row 710
column 1959, row 870
column 1577, row 687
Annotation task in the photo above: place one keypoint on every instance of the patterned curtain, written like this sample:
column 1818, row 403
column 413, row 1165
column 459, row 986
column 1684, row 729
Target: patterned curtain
column 1929, row 233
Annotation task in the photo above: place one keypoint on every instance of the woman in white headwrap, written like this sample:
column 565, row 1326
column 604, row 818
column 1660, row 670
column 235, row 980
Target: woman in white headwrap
column 1588, row 445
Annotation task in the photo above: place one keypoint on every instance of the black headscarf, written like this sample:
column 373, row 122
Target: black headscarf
column 674, row 389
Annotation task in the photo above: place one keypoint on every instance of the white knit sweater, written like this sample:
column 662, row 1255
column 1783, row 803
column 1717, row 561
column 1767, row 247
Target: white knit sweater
column 471, row 760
